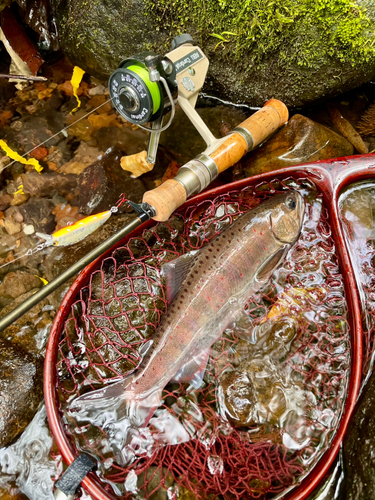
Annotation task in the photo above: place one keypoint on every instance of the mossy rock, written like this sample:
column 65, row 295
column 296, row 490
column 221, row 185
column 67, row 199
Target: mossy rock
column 298, row 51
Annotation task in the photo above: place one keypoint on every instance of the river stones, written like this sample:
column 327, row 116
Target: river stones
column 238, row 398
column 21, row 390
column 102, row 183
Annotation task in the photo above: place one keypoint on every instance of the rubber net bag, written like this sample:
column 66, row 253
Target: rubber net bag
column 266, row 411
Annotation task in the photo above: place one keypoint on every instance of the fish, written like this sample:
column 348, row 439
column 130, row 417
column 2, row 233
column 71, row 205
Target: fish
column 207, row 294
column 76, row 232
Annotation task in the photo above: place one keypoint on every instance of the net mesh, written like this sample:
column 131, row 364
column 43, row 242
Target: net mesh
column 299, row 369
column 357, row 205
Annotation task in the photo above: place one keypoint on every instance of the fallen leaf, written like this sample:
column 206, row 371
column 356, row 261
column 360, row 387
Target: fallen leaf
column 52, row 165
column 44, row 94
column 136, row 164
column 45, row 282
column 39, row 153
column 294, row 301
column 102, row 101
column 171, row 171
column 75, row 81
column 15, row 156
column 103, row 120
column 4, row 117
column 347, row 130
column 366, row 124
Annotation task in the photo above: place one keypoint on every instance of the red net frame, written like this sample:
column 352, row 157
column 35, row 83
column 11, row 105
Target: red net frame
column 330, row 178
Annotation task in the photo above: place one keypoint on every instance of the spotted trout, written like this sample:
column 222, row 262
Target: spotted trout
column 209, row 289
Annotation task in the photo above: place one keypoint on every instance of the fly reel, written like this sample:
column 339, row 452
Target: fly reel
column 147, row 86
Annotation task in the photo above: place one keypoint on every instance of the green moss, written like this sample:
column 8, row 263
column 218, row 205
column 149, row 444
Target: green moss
column 303, row 32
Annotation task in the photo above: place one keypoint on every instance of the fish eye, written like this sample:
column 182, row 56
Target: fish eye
column 291, row 203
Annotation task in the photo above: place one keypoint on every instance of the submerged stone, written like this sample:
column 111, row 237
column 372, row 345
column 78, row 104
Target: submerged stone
column 300, row 141
column 38, row 213
column 239, row 398
column 102, row 183
column 21, row 382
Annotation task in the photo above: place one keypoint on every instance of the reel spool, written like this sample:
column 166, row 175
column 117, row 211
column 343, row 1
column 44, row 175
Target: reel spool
column 144, row 87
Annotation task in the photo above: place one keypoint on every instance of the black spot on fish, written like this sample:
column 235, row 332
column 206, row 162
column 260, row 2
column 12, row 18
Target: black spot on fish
column 189, row 283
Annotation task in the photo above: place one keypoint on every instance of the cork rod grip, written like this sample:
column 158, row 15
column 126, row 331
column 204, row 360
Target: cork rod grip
column 261, row 125
column 166, row 198
column 170, row 195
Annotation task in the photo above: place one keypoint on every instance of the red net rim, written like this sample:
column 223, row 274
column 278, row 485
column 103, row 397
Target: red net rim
column 330, row 178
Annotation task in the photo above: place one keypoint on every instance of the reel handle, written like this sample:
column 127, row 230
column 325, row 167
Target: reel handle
column 224, row 153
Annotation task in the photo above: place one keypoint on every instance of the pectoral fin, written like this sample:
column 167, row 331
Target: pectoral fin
column 175, row 273
column 193, row 371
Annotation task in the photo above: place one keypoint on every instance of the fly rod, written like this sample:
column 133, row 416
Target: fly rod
column 162, row 201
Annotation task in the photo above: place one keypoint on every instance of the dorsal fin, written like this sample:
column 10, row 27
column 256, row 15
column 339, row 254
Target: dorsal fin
column 176, row 271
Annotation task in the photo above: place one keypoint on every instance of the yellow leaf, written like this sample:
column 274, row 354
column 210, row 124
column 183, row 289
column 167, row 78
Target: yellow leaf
column 294, row 300
column 75, row 81
column 20, row 190
column 45, row 282
column 15, row 156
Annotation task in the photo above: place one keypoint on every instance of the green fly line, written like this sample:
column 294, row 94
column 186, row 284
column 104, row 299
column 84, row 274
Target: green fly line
column 153, row 87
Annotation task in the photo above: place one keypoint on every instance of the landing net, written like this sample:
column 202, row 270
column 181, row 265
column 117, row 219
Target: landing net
column 299, row 364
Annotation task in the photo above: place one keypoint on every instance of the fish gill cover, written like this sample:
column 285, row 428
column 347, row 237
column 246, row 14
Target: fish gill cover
column 291, row 381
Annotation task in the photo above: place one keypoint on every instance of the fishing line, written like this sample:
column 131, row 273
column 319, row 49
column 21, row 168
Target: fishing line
column 28, row 253
column 58, row 133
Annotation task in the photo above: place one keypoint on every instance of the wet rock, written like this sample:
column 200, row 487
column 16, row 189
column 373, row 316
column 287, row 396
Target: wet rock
column 19, row 199
column 297, row 56
column 66, row 215
column 5, row 200
column 30, row 331
column 83, row 157
column 7, row 242
column 359, row 448
column 38, row 185
column 102, row 183
column 11, row 226
column 38, row 213
column 300, row 141
column 239, row 398
column 28, row 463
column 21, row 390
column 127, row 140
column 18, row 283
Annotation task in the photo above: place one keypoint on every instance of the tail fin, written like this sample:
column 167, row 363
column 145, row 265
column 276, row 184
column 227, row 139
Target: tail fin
column 120, row 411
